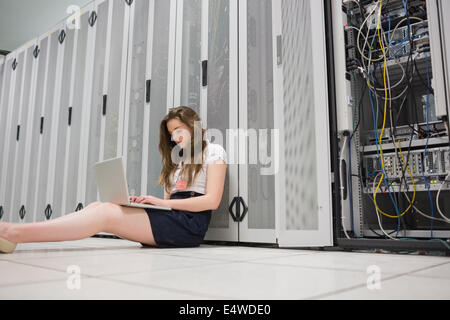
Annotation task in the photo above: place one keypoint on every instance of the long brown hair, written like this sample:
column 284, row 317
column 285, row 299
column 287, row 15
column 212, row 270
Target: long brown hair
column 189, row 171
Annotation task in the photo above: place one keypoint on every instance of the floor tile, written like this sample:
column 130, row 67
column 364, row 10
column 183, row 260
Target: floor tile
column 438, row 272
column 83, row 247
column 237, row 253
column 90, row 288
column 95, row 265
column 401, row 288
column 387, row 263
column 241, row 280
column 15, row 273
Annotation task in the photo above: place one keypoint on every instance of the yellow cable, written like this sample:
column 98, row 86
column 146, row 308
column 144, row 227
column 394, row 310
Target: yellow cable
column 384, row 123
column 414, row 188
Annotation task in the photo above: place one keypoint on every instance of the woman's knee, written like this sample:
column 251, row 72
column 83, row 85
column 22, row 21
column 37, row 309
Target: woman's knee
column 111, row 212
column 93, row 205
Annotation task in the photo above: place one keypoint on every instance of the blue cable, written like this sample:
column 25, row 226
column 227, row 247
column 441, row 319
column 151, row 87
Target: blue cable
column 389, row 37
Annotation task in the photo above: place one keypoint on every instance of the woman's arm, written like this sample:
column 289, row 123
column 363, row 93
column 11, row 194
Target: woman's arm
column 214, row 189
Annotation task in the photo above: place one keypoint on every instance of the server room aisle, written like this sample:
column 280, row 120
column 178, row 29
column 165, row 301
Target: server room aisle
column 101, row 268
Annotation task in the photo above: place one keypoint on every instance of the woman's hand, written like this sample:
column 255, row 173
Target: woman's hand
column 149, row 200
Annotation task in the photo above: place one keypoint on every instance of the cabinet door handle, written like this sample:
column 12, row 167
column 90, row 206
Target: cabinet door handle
column 70, row 116
column 22, row 212
column 205, row 73
column 92, row 18
column 62, row 36
column 148, row 85
column 36, row 51
column 230, row 209
column 48, row 212
column 105, row 98
column 241, row 217
column 42, row 125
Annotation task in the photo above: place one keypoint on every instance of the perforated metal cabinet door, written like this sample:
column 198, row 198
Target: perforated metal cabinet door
column 62, row 117
column 6, row 124
column 92, row 143
column 146, row 94
column 285, row 178
column 135, row 103
column 6, row 74
column 90, row 117
column 305, row 215
column 43, row 152
column 188, row 57
column 28, row 134
column 35, row 129
column 11, row 140
column 115, row 79
column 257, row 111
column 221, row 104
column 72, row 174
column 437, row 11
column 156, row 107
column 18, row 211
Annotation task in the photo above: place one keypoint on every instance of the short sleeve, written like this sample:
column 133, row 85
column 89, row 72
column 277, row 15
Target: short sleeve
column 216, row 152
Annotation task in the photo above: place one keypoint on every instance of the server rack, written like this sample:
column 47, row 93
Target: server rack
column 24, row 118
column 4, row 99
column 414, row 164
column 273, row 204
column 35, row 130
column 16, row 63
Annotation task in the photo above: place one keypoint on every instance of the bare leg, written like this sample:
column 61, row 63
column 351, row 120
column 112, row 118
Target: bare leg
column 128, row 223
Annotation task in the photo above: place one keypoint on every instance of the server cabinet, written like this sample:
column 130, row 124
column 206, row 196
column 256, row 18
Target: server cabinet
column 219, row 95
column 284, row 179
column 139, row 109
column 203, row 45
column 6, row 72
column 12, row 69
column 40, row 207
column 97, row 101
column 115, row 79
column 95, row 46
column 18, row 210
column 157, row 92
column 258, row 112
column 36, row 127
column 392, row 111
column 71, row 196
column 62, row 115
column 440, row 54
column 32, row 131
column 19, row 66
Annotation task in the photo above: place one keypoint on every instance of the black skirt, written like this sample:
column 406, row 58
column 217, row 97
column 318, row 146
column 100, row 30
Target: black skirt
column 178, row 228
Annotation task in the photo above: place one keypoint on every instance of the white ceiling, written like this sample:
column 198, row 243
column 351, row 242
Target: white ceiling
column 23, row 20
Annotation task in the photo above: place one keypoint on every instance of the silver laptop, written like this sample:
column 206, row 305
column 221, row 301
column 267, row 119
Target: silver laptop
column 112, row 185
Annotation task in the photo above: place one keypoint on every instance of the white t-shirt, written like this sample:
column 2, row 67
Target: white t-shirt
column 213, row 152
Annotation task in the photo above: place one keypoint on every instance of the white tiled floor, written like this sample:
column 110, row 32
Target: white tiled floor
column 120, row 269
